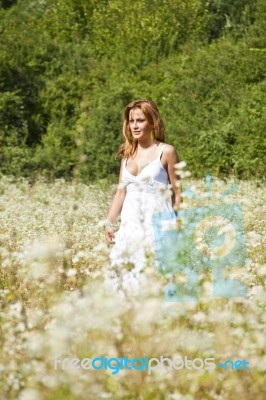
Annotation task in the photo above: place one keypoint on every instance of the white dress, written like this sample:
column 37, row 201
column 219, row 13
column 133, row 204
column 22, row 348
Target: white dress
column 146, row 194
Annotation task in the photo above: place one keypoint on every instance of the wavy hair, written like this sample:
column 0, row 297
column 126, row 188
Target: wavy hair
column 151, row 112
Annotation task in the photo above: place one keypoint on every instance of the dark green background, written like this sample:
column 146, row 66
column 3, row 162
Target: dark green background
column 69, row 67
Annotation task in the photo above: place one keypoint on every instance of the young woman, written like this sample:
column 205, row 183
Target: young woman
column 147, row 170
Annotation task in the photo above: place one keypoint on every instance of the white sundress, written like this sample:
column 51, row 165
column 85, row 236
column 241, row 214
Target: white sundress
column 146, row 194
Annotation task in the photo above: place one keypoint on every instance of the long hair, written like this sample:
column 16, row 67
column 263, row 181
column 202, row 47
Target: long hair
column 151, row 112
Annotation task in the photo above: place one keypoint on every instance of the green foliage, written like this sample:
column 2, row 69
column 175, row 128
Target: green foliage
column 14, row 154
column 249, row 152
column 143, row 32
column 7, row 3
column 56, row 156
column 68, row 68
column 229, row 16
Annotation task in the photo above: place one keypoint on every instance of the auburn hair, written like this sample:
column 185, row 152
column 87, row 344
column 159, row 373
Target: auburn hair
column 151, row 112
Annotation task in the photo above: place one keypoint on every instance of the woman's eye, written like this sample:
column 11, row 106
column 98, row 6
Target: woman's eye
column 131, row 121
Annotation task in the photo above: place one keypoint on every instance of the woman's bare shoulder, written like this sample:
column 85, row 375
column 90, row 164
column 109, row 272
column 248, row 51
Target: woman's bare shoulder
column 169, row 148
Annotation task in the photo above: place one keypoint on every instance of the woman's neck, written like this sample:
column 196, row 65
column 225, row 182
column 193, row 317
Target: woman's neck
column 146, row 144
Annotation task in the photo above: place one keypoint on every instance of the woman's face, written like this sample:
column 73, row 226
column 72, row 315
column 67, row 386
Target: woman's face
column 139, row 125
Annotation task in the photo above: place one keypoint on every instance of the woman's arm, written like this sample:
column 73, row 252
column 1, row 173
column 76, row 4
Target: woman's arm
column 115, row 208
column 118, row 200
column 172, row 159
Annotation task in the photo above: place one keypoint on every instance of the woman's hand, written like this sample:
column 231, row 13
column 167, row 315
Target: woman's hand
column 176, row 207
column 109, row 234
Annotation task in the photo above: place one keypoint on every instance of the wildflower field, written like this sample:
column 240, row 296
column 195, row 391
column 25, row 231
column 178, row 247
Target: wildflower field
column 53, row 301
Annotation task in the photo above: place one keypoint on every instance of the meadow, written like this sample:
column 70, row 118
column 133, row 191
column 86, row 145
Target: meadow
column 53, row 301
column 67, row 70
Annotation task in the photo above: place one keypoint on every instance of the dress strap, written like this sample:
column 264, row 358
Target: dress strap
column 161, row 151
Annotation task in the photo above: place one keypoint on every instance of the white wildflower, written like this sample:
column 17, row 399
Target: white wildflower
column 180, row 165
column 121, row 185
column 254, row 238
column 71, row 272
column 29, row 394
